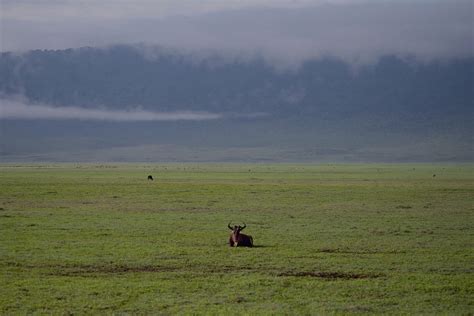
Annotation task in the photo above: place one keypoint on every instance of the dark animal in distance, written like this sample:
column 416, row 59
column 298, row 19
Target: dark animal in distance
column 150, row 178
column 237, row 239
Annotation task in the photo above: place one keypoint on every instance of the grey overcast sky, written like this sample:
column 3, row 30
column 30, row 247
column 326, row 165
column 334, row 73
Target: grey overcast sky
column 281, row 30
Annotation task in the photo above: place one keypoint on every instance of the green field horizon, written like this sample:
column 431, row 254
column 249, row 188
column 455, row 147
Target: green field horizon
column 329, row 238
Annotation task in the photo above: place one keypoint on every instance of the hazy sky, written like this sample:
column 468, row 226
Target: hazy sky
column 281, row 30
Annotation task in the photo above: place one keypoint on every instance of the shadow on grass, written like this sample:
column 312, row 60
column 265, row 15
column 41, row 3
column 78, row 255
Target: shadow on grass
column 262, row 246
column 254, row 246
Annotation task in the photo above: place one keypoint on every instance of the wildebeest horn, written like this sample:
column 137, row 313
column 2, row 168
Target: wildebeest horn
column 242, row 228
column 228, row 225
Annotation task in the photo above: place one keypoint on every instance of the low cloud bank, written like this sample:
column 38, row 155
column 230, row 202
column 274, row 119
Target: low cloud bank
column 13, row 109
column 356, row 31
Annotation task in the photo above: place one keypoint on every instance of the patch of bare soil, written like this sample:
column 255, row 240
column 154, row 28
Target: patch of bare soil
column 109, row 269
column 80, row 270
column 360, row 252
column 404, row 207
column 88, row 270
column 331, row 275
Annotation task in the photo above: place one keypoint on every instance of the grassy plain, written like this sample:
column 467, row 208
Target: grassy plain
column 329, row 239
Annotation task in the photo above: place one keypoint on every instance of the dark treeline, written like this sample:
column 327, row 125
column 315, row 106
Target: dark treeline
column 122, row 76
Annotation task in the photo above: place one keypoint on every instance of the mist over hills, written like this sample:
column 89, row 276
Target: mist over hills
column 324, row 109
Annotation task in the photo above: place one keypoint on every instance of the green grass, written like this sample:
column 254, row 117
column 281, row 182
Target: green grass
column 329, row 239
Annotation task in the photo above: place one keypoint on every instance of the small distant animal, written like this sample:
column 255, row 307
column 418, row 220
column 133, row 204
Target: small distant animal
column 237, row 239
column 150, row 178
column 434, row 176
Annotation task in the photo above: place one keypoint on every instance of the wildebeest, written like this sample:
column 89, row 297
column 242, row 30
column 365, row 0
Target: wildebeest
column 237, row 239
column 150, row 178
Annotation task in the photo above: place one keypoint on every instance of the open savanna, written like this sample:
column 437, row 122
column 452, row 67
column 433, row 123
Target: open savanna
column 370, row 238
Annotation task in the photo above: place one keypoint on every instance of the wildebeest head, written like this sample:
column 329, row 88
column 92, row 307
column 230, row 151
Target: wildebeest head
column 236, row 229
column 237, row 239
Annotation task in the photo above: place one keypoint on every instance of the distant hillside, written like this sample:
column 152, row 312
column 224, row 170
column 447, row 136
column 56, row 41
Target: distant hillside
column 397, row 109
